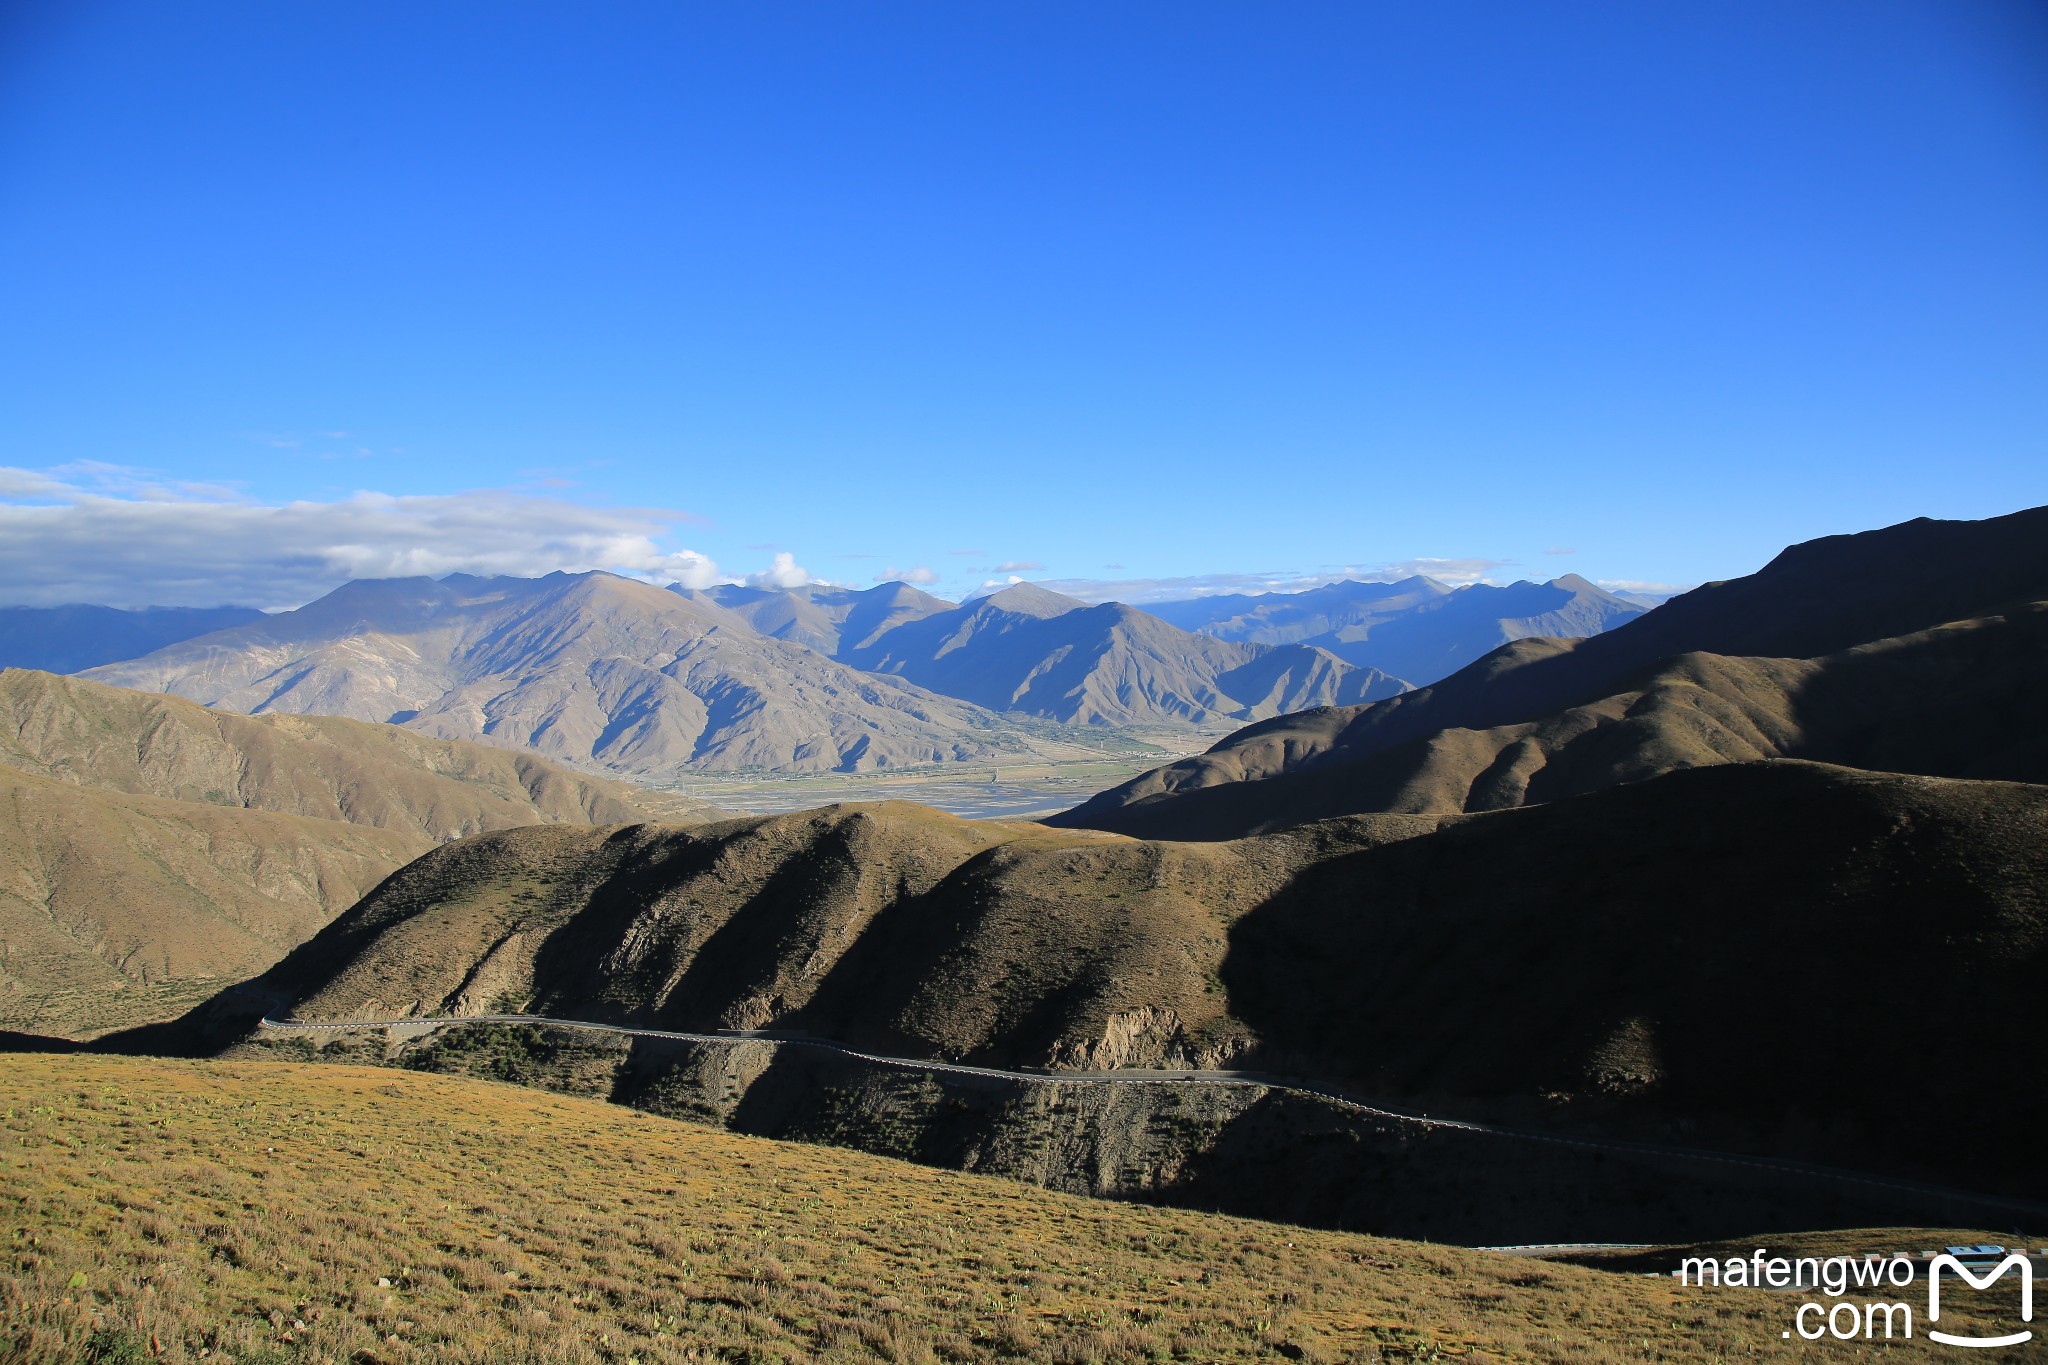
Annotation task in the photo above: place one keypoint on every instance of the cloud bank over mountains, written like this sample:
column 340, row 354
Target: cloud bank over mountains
column 104, row 534
column 118, row 536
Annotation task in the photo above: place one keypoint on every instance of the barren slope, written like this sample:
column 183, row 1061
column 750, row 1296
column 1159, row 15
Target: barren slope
column 827, row 619
column 151, row 849
column 586, row 668
column 141, row 743
column 1029, row 650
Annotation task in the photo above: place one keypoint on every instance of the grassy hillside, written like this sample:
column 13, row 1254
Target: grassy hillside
column 263, row 1212
column 381, row 776
column 1663, row 959
column 152, row 851
column 119, row 910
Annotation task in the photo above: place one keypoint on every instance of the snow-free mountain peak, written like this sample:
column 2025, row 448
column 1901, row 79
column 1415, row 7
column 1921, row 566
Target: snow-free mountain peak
column 1028, row 599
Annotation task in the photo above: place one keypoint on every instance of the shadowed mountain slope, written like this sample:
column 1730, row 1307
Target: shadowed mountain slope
column 1957, row 701
column 71, row 639
column 150, row 848
column 586, row 668
column 1029, row 650
column 1625, row 704
column 1417, row 628
column 1633, row 960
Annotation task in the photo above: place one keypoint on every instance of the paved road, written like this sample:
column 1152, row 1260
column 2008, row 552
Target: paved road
column 1144, row 1076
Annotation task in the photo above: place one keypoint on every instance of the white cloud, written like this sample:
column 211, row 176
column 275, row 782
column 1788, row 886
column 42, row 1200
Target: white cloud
column 687, row 568
column 990, row 585
column 783, row 572
column 1019, row 566
column 118, row 536
column 922, row 575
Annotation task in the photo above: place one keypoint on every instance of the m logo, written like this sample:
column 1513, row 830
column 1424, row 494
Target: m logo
column 2026, row 1298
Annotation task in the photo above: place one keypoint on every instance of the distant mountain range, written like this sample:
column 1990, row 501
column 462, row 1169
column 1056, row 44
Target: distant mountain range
column 589, row 668
column 593, row 668
column 1025, row 649
column 600, row 670
column 1417, row 628
column 75, row 638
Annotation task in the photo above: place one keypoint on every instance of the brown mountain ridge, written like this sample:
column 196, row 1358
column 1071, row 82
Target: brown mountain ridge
column 151, row 849
column 1916, row 648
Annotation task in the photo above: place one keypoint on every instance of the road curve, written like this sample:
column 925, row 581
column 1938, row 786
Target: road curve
column 1144, row 1076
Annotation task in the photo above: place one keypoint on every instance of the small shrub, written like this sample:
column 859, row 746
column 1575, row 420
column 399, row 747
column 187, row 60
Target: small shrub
column 115, row 1346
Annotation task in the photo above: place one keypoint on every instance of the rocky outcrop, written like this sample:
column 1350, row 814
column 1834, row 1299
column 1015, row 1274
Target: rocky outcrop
column 1148, row 1036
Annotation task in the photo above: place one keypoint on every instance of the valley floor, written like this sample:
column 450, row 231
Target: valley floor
column 1071, row 767
column 259, row 1211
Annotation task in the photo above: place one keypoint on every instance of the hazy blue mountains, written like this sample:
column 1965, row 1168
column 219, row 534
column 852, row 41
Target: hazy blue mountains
column 1919, row 648
column 71, row 639
column 1025, row 649
column 1416, row 628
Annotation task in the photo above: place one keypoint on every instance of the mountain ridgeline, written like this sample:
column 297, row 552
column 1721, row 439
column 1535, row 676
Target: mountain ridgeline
column 597, row 669
column 1026, row 649
column 587, row 668
column 1415, row 628
column 602, row 670
column 1918, row 648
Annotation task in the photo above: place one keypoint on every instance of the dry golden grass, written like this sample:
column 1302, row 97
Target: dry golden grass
column 265, row 1211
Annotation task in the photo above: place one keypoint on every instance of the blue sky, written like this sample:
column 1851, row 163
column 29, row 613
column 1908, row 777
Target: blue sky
column 1137, row 292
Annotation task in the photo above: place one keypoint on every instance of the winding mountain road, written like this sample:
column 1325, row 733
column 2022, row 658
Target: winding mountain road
column 1146, row 1076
